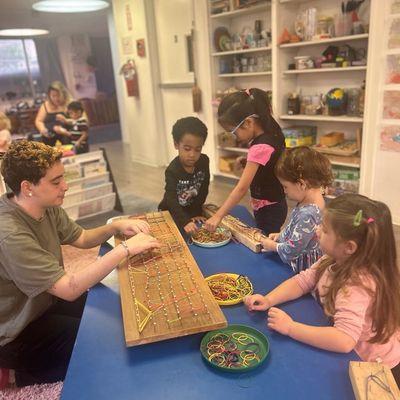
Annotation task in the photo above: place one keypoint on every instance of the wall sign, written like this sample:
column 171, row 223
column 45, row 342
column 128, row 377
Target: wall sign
column 140, row 48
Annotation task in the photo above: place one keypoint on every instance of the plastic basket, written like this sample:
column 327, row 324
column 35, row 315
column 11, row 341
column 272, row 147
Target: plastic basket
column 88, row 182
column 91, row 207
column 78, row 196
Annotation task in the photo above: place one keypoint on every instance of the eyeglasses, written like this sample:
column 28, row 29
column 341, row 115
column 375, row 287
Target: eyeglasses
column 233, row 131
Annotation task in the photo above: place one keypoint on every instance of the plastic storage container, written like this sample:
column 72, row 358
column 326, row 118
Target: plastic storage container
column 91, row 207
column 79, row 196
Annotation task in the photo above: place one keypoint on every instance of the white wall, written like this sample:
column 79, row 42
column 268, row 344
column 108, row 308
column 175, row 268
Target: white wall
column 380, row 178
column 140, row 118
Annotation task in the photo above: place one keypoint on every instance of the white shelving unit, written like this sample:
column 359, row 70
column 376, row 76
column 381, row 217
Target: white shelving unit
column 340, row 39
column 317, row 80
column 277, row 15
column 244, row 51
column 320, row 70
column 235, row 21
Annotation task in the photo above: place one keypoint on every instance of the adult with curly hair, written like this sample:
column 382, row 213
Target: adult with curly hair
column 41, row 303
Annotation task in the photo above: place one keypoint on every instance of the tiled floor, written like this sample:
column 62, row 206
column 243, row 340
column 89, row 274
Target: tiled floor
column 148, row 182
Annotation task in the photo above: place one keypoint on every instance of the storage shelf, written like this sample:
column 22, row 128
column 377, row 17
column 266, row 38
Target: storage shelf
column 323, row 41
column 346, row 161
column 317, row 70
column 245, row 74
column 253, row 50
column 243, row 11
column 234, row 149
column 303, row 117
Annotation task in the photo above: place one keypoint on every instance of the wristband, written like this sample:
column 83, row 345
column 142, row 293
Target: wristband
column 125, row 246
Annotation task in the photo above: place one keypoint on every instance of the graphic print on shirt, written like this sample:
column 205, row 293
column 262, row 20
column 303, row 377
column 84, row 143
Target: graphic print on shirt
column 187, row 190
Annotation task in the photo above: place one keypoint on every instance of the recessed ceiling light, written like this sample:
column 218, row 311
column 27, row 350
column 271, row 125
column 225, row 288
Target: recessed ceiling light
column 23, row 32
column 69, row 6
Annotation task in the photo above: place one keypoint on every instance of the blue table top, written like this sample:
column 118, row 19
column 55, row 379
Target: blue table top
column 102, row 367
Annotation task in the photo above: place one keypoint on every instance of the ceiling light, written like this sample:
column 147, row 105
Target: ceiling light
column 69, row 6
column 23, row 32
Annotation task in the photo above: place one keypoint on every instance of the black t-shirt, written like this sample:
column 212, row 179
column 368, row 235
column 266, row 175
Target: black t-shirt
column 185, row 193
column 265, row 185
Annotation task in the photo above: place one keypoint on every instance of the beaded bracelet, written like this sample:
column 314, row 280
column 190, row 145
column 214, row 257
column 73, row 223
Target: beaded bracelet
column 125, row 246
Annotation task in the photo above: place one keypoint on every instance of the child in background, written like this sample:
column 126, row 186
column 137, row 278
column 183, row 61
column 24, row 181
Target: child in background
column 188, row 175
column 5, row 135
column 304, row 174
column 76, row 127
column 247, row 115
column 357, row 282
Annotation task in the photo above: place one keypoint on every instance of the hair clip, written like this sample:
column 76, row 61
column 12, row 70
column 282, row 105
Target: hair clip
column 369, row 220
column 247, row 91
column 358, row 218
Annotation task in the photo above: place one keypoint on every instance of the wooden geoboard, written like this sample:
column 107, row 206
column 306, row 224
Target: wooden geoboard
column 163, row 293
column 243, row 233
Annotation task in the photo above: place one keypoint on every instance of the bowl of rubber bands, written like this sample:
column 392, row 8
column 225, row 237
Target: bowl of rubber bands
column 236, row 348
column 205, row 238
column 229, row 289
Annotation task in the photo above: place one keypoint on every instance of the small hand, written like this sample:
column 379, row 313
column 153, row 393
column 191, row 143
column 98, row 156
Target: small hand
column 199, row 220
column 212, row 223
column 130, row 227
column 273, row 236
column 190, row 228
column 256, row 302
column 268, row 244
column 44, row 132
column 61, row 118
column 141, row 242
column 279, row 321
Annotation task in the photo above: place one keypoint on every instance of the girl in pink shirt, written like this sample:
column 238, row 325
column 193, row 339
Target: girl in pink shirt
column 357, row 283
column 247, row 115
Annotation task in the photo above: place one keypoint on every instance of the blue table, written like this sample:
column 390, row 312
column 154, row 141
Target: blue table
column 102, row 367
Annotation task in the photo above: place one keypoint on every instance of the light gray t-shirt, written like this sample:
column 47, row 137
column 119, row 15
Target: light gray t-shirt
column 30, row 263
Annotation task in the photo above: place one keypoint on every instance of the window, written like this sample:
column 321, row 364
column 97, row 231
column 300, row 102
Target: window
column 14, row 75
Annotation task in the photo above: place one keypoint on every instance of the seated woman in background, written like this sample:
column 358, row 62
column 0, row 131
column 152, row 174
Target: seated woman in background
column 47, row 121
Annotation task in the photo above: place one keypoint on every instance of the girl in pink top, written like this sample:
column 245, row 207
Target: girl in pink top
column 357, row 283
column 247, row 115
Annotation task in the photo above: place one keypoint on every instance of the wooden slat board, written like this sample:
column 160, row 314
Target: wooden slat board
column 241, row 232
column 168, row 282
column 359, row 373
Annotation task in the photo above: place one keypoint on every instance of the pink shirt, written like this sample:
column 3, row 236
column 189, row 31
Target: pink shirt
column 260, row 154
column 352, row 316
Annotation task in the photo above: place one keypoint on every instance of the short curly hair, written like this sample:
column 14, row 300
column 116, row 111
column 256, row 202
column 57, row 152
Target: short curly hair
column 307, row 164
column 27, row 161
column 189, row 125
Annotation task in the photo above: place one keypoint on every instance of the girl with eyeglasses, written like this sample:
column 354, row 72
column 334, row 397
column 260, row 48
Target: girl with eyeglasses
column 247, row 115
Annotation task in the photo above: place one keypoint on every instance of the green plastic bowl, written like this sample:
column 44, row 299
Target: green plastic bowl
column 256, row 336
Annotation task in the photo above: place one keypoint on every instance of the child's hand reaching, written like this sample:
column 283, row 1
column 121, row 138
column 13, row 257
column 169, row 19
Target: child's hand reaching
column 268, row 244
column 279, row 321
column 190, row 228
column 273, row 236
column 256, row 302
column 212, row 223
column 199, row 220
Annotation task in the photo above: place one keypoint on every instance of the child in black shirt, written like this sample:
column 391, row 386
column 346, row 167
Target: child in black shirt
column 188, row 175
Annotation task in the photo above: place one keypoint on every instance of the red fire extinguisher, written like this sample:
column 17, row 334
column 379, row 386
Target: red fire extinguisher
column 128, row 70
